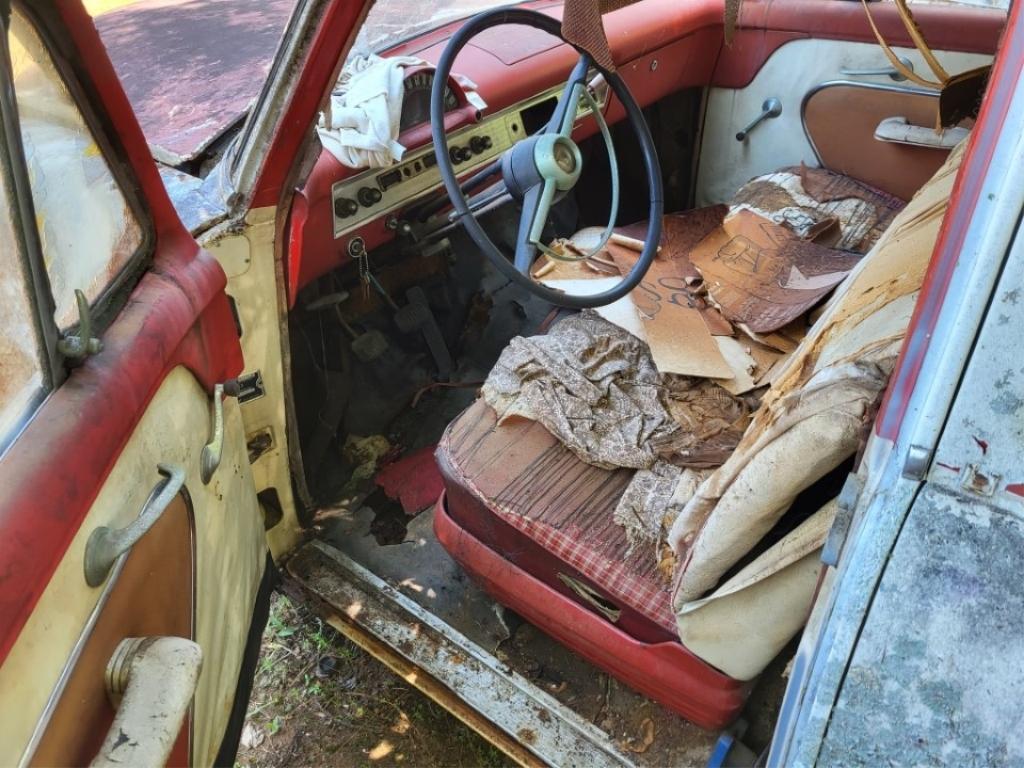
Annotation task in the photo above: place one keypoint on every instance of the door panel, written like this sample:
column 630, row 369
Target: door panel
column 140, row 600
column 791, row 74
column 840, row 121
column 229, row 550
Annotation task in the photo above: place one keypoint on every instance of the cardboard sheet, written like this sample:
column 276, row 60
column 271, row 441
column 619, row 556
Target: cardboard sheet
column 622, row 312
column 679, row 338
column 762, row 275
column 750, row 363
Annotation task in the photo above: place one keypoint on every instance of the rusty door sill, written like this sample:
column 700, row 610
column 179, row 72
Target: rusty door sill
column 504, row 707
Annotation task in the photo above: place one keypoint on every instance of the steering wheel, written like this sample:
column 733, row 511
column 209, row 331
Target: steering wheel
column 541, row 167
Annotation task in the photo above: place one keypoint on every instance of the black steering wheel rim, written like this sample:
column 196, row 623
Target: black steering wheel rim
column 525, row 17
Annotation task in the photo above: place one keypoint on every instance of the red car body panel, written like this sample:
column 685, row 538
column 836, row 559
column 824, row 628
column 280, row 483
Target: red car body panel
column 178, row 314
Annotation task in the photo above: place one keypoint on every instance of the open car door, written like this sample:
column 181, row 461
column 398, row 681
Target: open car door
column 132, row 547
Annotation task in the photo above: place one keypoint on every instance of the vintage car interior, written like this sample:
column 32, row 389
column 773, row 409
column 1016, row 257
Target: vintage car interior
column 551, row 410
column 405, row 284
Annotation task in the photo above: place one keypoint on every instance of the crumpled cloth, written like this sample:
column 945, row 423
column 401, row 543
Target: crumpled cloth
column 360, row 127
column 595, row 387
column 648, row 506
column 592, row 384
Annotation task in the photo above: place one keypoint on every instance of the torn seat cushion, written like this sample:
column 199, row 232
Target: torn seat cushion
column 813, row 415
column 531, row 499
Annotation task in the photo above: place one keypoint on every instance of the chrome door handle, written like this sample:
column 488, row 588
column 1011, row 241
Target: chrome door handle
column 770, row 109
column 105, row 544
column 209, row 460
column 892, row 72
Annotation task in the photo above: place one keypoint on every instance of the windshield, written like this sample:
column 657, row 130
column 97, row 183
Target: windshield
column 392, row 21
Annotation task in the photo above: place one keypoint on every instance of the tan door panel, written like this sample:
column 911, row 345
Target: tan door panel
column 840, row 120
column 151, row 595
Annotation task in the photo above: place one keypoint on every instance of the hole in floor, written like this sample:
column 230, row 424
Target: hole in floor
column 389, row 519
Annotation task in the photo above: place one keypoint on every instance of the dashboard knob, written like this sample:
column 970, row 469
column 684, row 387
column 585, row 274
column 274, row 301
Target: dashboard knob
column 368, row 196
column 345, row 207
column 479, row 144
column 459, row 154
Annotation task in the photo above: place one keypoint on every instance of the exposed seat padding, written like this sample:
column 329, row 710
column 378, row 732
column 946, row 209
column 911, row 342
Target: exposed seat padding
column 811, row 418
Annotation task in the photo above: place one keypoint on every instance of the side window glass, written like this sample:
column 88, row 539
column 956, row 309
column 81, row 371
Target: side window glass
column 21, row 364
column 87, row 230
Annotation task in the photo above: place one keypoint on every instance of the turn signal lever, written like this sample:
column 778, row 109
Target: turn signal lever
column 771, row 108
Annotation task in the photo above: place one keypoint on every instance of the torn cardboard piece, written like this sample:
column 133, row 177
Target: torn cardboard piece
column 750, row 363
column 675, row 330
column 622, row 312
column 762, row 275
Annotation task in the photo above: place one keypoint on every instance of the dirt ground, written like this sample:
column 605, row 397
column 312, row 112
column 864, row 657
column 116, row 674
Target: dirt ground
column 320, row 700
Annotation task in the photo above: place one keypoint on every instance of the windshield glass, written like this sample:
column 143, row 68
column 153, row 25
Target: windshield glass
column 392, row 21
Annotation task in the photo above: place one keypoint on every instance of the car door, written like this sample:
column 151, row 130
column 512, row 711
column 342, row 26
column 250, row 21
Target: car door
column 823, row 69
column 132, row 548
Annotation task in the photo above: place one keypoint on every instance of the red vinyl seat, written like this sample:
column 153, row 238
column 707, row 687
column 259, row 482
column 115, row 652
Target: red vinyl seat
column 526, row 518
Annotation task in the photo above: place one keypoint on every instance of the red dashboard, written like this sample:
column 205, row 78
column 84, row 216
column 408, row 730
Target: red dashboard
column 661, row 46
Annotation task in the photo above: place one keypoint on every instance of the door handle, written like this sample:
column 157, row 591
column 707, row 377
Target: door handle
column 151, row 681
column 770, row 109
column 210, row 458
column 892, row 72
column 897, row 130
column 105, row 544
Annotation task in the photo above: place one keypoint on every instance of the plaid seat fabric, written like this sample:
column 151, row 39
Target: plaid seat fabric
column 523, row 475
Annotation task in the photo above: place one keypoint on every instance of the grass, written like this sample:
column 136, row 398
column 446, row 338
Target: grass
column 320, row 700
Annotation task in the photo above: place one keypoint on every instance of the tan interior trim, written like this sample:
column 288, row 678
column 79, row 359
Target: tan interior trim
column 150, row 592
column 840, row 118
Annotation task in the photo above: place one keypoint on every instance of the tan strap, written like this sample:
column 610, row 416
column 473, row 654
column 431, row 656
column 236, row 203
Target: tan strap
column 898, row 65
column 919, row 42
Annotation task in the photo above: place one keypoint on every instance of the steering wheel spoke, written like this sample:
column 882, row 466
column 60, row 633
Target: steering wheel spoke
column 564, row 116
column 536, row 208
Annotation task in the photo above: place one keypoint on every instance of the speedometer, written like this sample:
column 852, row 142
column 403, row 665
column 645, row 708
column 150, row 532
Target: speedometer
column 416, row 100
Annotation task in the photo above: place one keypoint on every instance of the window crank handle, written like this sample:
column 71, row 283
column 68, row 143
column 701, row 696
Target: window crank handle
column 771, row 108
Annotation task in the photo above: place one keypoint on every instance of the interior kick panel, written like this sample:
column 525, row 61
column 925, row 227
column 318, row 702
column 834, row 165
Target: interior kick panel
column 792, row 74
column 840, row 121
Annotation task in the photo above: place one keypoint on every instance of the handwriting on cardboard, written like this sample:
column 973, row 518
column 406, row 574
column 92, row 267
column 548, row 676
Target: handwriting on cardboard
column 762, row 275
column 679, row 338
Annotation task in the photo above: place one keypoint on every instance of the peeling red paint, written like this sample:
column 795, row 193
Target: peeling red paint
column 1017, row 489
column 950, row 467
column 983, row 444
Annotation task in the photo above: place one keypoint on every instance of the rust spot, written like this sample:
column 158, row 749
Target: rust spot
column 543, row 715
column 983, row 444
column 979, row 482
column 950, row 467
column 1016, row 488
column 527, row 736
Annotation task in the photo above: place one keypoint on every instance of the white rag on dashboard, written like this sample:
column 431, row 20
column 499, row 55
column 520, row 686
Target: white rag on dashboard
column 360, row 127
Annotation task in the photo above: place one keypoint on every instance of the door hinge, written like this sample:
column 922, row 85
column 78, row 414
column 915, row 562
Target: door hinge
column 82, row 344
